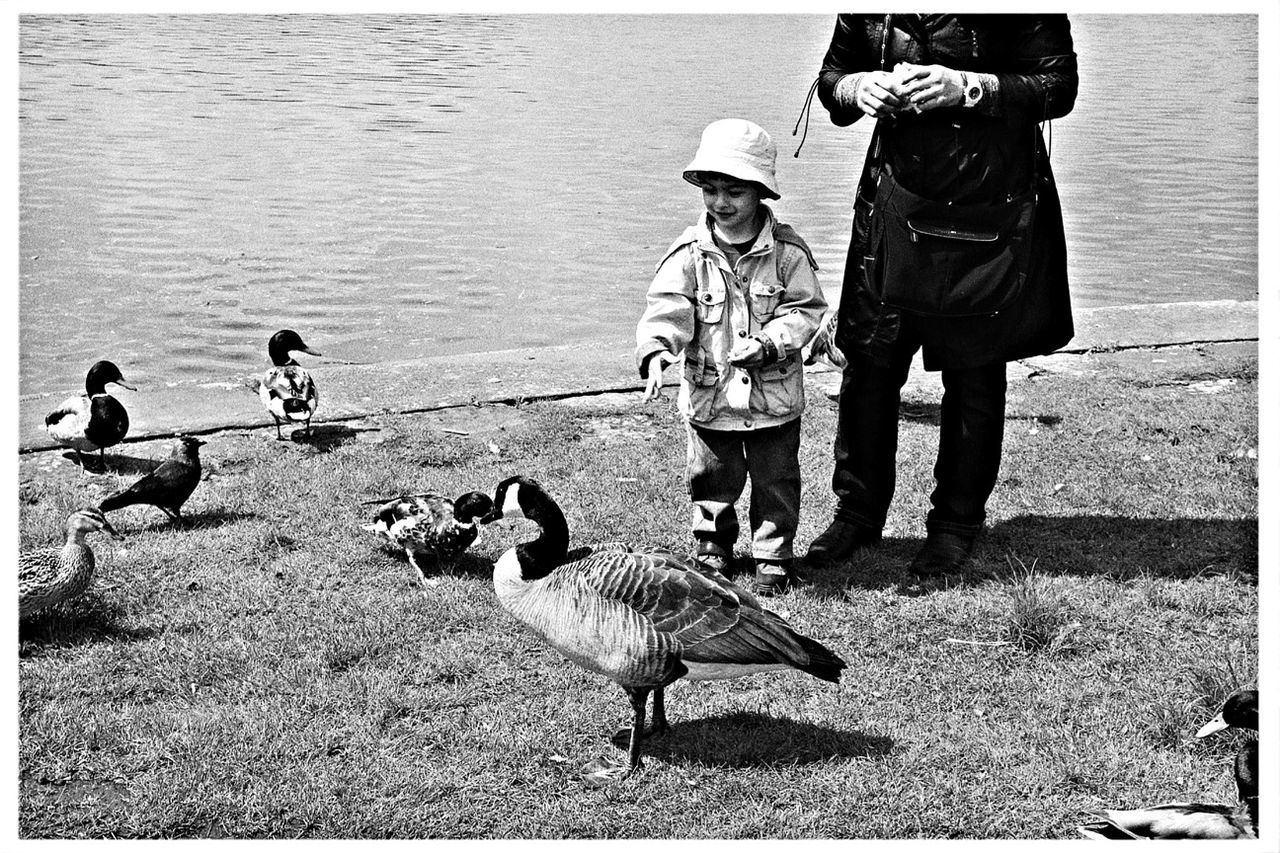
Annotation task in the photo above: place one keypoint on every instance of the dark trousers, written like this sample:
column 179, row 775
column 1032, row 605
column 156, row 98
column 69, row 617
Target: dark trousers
column 969, row 444
column 717, row 467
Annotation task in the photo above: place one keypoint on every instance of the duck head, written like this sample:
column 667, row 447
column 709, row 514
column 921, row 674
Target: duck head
column 284, row 342
column 1240, row 709
column 472, row 506
column 89, row 520
column 102, row 373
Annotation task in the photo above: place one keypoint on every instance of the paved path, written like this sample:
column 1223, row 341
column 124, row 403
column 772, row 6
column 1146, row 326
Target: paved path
column 349, row 392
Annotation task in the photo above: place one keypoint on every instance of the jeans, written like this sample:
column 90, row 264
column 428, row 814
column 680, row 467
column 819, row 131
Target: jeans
column 969, row 445
column 716, row 470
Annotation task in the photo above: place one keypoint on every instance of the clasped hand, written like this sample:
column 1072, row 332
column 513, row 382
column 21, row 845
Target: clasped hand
column 908, row 88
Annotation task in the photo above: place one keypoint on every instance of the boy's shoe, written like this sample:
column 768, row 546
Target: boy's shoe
column 775, row 577
column 715, row 562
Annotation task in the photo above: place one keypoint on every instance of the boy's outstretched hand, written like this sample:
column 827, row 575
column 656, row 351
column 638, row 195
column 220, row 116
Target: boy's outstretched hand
column 658, row 362
column 749, row 353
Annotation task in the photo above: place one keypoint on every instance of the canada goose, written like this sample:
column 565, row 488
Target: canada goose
column 168, row 486
column 93, row 420
column 287, row 389
column 50, row 576
column 431, row 527
column 644, row 617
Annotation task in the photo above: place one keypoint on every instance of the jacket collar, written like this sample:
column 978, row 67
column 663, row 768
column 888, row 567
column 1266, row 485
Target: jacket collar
column 764, row 240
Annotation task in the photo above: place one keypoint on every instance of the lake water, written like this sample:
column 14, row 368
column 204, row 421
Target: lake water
column 399, row 186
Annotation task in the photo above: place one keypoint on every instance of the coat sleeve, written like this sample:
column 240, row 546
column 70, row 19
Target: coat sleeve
column 1043, row 78
column 668, row 321
column 799, row 314
column 848, row 53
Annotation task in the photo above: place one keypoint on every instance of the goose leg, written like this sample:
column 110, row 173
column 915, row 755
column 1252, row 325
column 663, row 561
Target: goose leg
column 638, row 695
column 659, row 726
column 279, row 437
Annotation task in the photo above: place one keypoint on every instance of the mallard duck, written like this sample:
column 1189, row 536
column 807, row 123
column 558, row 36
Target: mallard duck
column 168, row 486
column 1172, row 821
column 431, row 528
column 94, row 420
column 287, row 389
column 50, row 576
column 1197, row 820
column 644, row 617
column 1241, row 711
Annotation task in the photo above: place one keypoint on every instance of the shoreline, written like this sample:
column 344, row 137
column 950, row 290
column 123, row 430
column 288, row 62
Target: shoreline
column 353, row 392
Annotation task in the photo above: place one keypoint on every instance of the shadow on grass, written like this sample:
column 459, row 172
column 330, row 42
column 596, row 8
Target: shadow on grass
column 326, row 437
column 745, row 739
column 1111, row 546
column 157, row 521
column 114, row 463
column 86, row 620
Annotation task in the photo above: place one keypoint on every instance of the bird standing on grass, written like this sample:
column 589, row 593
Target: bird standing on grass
column 644, row 617
column 287, row 389
column 50, row 576
column 1241, row 711
column 168, row 486
column 1197, row 820
column 431, row 528
column 94, row 420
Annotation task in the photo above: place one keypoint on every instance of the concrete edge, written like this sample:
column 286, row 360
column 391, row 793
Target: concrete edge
column 352, row 392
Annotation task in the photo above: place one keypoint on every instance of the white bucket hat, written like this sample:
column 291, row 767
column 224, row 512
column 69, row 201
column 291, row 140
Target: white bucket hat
column 739, row 149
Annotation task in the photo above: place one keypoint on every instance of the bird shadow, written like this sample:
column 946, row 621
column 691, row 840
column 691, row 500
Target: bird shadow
column 205, row 519
column 325, row 437
column 115, row 463
column 86, row 620
column 748, row 739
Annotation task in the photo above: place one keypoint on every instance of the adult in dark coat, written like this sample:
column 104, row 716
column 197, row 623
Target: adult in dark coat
column 959, row 100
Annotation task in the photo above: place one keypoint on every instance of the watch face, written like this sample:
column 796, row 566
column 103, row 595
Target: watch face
column 974, row 93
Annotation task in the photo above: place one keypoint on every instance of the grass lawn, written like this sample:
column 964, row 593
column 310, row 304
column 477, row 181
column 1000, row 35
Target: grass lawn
column 269, row 670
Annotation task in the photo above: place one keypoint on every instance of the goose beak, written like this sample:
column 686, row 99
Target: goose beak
column 491, row 516
column 1217, row 724
column 107, row 528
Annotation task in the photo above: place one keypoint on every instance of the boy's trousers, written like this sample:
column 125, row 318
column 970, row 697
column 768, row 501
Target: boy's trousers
column 719, row 462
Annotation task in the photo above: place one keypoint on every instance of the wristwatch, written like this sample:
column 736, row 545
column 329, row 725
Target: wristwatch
column 971, row 91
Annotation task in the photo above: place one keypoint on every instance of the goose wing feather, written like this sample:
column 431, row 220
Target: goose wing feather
column 680, row 598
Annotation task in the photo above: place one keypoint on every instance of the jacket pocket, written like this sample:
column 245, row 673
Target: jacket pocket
column 699, row 388
column 764, row 300
column 779, row 388
column 711, row 303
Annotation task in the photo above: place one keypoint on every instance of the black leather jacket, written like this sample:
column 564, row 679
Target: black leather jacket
column 965, row 155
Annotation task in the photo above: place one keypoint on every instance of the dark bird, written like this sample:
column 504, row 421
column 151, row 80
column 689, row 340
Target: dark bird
column 432, row 529
column 287, row 389
column 642, row 616
column 167, row 487
column 94, row 420
column 1197, row 820
column 50, row 576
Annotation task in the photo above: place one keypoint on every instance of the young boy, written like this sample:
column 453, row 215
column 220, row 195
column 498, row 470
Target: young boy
column 738, row 297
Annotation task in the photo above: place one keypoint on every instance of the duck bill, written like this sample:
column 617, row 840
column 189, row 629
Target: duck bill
column 492, row 516
column 309, row 351
column 107, row 528
column 124, row 384
column 1217, row 724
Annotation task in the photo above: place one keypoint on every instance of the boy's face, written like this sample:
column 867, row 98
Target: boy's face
column 732, row 203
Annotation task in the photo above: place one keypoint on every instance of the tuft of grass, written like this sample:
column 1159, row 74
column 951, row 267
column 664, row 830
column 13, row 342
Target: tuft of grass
column 1038, row 618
